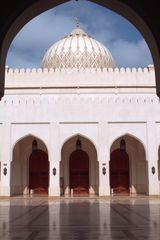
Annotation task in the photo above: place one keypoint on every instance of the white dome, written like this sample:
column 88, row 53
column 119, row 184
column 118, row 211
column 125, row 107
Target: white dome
column 78, row 50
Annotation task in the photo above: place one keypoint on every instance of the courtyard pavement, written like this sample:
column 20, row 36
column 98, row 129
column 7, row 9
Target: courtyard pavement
column 44, row 218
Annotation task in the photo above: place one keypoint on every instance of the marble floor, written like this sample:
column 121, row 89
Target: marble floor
column 45, row 218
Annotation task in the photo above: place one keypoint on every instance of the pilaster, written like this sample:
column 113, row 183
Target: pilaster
column 54, row 159
column 152, row 156
column 5, row 161
column 103, row 158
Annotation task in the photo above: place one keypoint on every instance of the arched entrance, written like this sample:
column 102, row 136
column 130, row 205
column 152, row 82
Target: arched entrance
column 27, row 165
column 79, row 172
column 119, row 171
column 126, row 164
column 39, row 172
column 79, row 168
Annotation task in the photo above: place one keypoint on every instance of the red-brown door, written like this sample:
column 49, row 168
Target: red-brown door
column 119, row 171
column 79, row 172
column 39, row 172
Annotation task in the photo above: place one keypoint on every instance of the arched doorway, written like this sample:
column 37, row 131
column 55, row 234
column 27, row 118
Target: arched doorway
column 23, row 164
column 39, row 172
column 79, row 172
column 127, row 164
column 119, row 171
column 77, row 161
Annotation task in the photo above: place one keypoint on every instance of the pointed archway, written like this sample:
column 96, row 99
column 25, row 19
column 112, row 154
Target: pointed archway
column 79, row 168
column 27, row 165
column 79, row 172
column 126, row 175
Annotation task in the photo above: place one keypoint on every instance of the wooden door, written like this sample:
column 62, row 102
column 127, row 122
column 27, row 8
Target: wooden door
column 79, row 172
column 39, row 172
column 119, row 171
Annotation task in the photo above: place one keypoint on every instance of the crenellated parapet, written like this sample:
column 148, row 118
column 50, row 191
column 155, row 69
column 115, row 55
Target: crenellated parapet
column 149, row 68
column 73, row 78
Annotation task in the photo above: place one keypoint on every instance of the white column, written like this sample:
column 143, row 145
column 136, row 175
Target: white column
column 54, row 159
column 152, row 156
column 103, row 158
column 5, row 160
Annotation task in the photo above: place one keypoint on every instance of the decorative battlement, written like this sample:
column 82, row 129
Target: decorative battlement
column 87, row 78
column 149, row 68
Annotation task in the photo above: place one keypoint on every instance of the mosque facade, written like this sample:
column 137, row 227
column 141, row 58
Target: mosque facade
column 79, row 125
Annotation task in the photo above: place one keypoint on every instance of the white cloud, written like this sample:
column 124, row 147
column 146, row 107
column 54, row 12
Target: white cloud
column 36, row 37
column 131, row 54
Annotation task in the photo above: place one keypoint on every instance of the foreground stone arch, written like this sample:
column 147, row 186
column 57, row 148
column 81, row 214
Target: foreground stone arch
column 18, row 14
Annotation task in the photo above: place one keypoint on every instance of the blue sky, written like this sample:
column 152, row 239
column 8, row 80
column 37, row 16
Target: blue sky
column 122, row 39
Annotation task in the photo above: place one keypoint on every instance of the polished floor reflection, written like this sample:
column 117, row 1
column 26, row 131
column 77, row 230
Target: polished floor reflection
column 79, row 218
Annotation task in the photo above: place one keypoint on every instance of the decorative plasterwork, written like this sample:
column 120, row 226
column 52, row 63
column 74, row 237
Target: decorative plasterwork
column 80, row 51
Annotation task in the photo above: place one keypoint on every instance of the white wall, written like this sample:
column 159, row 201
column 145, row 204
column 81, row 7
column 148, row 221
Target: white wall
column 98, row 105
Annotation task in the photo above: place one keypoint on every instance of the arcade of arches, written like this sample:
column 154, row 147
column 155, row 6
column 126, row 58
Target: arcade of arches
column 79, row 168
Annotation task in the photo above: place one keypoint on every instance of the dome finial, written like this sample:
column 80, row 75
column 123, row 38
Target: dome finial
column 77, row 22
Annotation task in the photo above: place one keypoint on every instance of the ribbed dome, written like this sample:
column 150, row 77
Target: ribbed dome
column 78, row 50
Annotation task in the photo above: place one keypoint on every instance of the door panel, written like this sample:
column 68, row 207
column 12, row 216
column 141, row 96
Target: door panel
column 119, row 171
column 39, row 172
column 79, row 172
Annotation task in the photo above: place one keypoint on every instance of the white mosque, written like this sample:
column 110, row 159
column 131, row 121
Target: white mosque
column 79, row 125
